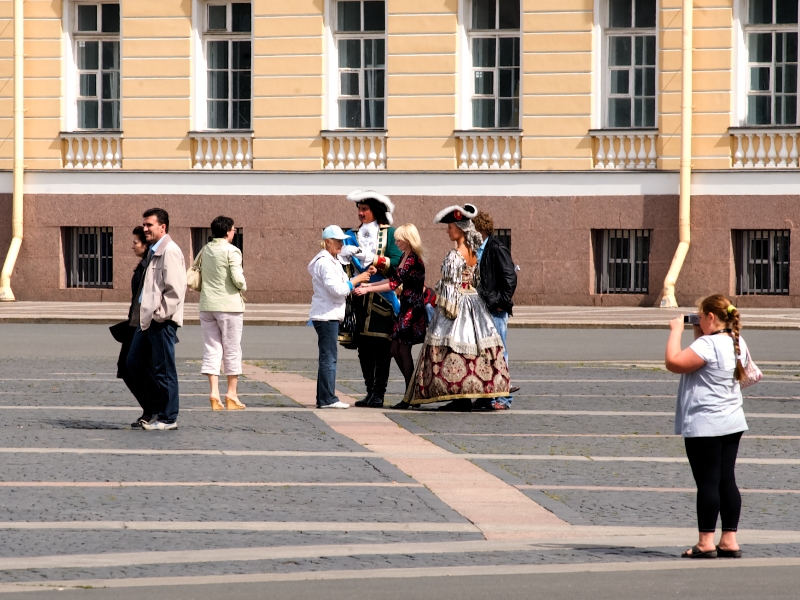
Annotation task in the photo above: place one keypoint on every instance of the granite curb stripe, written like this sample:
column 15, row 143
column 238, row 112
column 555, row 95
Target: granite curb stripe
column 611, row 488
column 125, row 484
column 306, row 526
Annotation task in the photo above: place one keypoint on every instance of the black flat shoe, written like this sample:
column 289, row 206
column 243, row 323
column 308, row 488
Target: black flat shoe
column 513, row 389
column 457, row 406
column 728, row 553
column 375, row 402
column 365, row 401
column 695, row 552
column 401, row 406
column 137, row 424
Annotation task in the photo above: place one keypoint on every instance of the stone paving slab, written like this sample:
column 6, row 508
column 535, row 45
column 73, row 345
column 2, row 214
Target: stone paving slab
column 573, row 317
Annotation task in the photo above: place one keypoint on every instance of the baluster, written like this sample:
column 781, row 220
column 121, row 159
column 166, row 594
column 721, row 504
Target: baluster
column 642, row 156
column 100, row 155
column 109, row 154
column 484, row 152
column 118, row 153
column 622, row 155
column 351, row 155
column 772, row 155
column 751, row 152
column 248, row 154
column 632, row 152
column 228, row 158
column 89, row 153
column 382, row 153
column 651, row 155
column 331, row 155
column 198, row 155
column 340, row 156
column 495, row 164
column 784, row 153
column 762, row 153
column 239, row 157
column 207, row 156
column 793, row 151
column 372, row 156
column 464, row 156
column 69, row 158
column 516, row 158
column 218, row 155
column 738, row 154
column 611, row 156
column 362, row 157
column 474, row 154
column 79, row 156
column 506, row 152
column 600, row 155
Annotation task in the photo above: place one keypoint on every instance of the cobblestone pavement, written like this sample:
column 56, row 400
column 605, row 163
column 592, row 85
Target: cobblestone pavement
column 70, row 459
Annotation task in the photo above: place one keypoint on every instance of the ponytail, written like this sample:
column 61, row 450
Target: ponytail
column 726, row 313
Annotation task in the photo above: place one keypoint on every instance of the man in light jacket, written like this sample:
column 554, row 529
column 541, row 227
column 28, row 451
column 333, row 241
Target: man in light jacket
column 157, row 317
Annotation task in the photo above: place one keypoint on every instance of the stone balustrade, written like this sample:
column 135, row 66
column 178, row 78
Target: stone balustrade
column 222, row 150
column 355, row 149
column 764, row 148
column 625, row 148
column 500, row 149
column 87, row 150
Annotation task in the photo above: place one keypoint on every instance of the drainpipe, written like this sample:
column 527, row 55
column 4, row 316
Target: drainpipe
column 684, row 212
column 6, row 295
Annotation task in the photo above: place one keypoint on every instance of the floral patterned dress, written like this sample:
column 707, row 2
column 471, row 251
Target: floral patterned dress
column 463, row 355
column 411, row 323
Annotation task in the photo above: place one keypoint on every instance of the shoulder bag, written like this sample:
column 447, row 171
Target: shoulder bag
column 752, row 374
column 194, row 276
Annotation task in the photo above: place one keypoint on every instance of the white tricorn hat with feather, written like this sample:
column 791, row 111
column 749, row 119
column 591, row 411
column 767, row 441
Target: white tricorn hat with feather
column 455, row 214
column 374, row 199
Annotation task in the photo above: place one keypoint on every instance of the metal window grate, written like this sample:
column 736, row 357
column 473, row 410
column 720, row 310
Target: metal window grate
column 202, row 235
column 762, row 261
column 504, row 237
column 622, row 261
column 89, row 257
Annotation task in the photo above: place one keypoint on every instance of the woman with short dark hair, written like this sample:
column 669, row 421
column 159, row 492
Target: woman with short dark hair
column 222, row 311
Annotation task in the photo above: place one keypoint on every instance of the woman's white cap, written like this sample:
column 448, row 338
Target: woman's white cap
column 333, row 232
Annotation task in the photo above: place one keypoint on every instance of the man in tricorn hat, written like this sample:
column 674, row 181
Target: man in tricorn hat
column 371, row 244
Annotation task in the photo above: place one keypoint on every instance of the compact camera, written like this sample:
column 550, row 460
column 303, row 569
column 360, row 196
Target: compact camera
column 691, row 319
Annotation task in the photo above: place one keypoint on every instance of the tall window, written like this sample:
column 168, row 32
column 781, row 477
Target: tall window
column 361, row 47
column 622, row 261
column 771, row 37
column 494, row 38
column 228, row 31
column 631, row 63
column 89, row 256
column 96, row 37
column 202, row 235
column 762, row 261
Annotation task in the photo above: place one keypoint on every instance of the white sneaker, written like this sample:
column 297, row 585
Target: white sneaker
column 337, row 404
column 159, row 426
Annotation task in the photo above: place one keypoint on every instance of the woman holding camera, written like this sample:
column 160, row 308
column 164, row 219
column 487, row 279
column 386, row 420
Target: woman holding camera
column 710, row 417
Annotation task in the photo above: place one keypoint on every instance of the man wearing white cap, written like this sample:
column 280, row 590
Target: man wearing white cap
column 372, row 244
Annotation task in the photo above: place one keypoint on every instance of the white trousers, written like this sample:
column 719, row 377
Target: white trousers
column 222, row 342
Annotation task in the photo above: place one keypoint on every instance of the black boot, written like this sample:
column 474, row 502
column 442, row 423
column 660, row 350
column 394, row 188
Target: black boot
column 366, row 401
column 375, row 402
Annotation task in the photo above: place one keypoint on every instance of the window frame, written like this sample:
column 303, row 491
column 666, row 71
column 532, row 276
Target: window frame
column 605, row 56
column 198, row 234
column 72, row 39
column 201, row 18
column 77, row 262
column 335, row 85
column 638, row 265
column 744, row 262
column 469, row 70
column 746, row 66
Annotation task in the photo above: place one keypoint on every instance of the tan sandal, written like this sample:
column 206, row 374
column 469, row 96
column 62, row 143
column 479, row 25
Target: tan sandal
column 234, row 404
column 216, row 403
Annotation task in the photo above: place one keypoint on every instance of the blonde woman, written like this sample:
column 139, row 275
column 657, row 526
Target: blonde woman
column 222, row 312
column 412, row 322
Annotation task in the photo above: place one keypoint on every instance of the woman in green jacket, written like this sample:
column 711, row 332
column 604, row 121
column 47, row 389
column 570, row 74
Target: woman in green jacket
column 222, row 311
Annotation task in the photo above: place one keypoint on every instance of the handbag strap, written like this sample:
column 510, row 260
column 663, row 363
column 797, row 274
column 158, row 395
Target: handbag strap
column 198, row 261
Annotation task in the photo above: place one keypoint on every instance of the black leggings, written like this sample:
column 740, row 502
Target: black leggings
column 713, row 460
column 402, row 356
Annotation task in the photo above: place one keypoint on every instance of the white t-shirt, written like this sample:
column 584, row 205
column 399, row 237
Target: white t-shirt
column 710, row 399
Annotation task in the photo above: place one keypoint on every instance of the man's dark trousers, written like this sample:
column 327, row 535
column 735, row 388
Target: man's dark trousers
column 376, row 362
column 152, row 360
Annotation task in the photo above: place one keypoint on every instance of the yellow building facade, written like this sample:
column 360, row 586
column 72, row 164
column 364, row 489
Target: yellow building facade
column 524, row 106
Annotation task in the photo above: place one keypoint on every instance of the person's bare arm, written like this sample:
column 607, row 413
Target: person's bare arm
column 675, row 359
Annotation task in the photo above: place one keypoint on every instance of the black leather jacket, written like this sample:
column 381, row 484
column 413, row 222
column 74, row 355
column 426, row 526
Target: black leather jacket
column 498, row 277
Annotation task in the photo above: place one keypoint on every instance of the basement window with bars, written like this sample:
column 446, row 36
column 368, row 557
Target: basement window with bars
column 228, row 44
column 88, row 257
column 202, row 235
column 96, row 35
column 622, row 261
column 504, row 237
column 761, row 258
